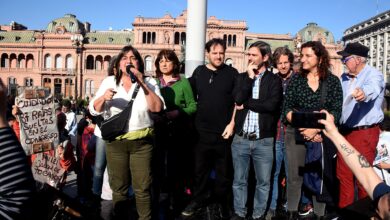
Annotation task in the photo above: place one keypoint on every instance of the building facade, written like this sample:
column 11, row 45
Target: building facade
column 72, row 60
column 374, row 33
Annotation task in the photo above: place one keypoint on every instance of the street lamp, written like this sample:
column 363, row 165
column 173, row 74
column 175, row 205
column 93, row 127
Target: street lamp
column 77, row 41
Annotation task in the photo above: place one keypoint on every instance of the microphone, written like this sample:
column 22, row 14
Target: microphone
column 128, row 71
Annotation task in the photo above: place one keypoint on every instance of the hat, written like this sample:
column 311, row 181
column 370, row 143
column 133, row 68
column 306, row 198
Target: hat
column 354, row 49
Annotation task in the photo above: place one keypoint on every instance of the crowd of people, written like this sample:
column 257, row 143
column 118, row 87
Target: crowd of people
column 199, row 141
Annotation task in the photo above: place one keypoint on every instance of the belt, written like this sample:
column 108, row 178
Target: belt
column 358, row 128
column 249, row 136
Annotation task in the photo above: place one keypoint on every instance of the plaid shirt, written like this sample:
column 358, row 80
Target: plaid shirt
column 251, row 124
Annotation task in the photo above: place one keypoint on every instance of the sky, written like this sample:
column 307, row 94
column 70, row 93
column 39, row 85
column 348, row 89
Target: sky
column 262, row 16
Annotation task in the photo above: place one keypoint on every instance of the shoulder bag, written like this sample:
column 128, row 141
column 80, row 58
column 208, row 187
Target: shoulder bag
column 117, row 124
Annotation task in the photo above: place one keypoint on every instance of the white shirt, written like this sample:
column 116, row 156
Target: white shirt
column 140, row 115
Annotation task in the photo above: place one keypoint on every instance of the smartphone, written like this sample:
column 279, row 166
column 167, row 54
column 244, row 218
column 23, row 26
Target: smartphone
column 307, row 119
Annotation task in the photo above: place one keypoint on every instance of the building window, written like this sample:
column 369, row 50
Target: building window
column 234, row 40
column 153, row 37
column 69, row 62
column 11, row 81
column 89, row 87
column 90, row 62
column 183, row 38
column 17, row 38
column 177, row 38
column 47, row 61
column 58, row 63
column 144, row 37
column 28, row 82
column 110, row 40
column 148, row 63
column 149, row 36
column 68, row 87
column 229, row 62
column 4, row 60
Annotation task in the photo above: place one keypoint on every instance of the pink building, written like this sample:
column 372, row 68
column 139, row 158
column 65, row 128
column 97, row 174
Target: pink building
column 72, row 60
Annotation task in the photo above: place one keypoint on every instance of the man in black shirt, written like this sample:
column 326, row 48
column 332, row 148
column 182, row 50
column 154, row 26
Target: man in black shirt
column 217, row 89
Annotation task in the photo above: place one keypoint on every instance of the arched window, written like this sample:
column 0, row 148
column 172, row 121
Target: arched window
column 21, row 61
column 229, row 40
column 4, row 60
column 90, row 62
column 99, row 62
column 106, row 62
column 183, row 38
column 30, row 61
column 28, row 82
column 229, row 62
column 13, row 60
column 225, row 38
column 148, row 63
column 234, row 40
column 177, row 37
column 47, row 61
column 58, row 63
column 69, row 62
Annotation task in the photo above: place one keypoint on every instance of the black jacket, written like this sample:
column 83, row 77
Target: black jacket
column 267, row 105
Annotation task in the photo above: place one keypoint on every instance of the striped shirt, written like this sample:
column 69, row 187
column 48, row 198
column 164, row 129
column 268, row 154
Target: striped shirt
column 16, row 181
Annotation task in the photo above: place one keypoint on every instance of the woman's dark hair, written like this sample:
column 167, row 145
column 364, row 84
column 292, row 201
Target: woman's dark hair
column 323, row 58
column 112, row 68
column 171, row 56
column 124, row 51
column 265, row 49
column 282, row 51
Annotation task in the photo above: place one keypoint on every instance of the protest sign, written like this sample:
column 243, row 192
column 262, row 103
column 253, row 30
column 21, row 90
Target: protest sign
column 38, row 122
column 47, row 169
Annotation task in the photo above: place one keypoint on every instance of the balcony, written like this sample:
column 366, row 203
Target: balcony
column 58, row 71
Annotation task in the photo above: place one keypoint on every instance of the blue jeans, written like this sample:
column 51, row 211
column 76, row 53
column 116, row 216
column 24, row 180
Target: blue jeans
column 100, row 166
column 280, row 156
column 261, row 152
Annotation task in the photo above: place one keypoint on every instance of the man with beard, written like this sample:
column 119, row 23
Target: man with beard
column 217, row 89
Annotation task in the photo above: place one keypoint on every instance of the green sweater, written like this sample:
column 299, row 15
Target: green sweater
column 179, row 96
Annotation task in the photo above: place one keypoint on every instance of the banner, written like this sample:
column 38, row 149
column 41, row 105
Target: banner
column 37, row 118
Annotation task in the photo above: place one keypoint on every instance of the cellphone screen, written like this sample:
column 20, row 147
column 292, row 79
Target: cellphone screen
column 307, row 119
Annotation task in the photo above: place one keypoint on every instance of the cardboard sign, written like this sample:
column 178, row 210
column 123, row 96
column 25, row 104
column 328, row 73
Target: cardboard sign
column 47, row 169
column 38, row 121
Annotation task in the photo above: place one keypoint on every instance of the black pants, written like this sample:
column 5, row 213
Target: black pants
column 213, row 152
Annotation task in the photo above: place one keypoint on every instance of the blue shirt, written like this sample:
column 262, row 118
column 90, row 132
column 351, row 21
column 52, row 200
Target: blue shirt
column 369, row 111
column 251, row 124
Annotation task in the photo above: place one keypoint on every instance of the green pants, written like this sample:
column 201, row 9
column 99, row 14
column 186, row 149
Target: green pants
column 131, row 161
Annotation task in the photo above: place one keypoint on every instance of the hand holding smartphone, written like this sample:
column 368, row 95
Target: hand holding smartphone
column 307, row 119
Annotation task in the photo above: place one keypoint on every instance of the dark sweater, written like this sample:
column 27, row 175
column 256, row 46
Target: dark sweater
column 216, row 97
column 267, row 105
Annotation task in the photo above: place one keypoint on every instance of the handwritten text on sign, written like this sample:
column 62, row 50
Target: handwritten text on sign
column 47, row 169
column 38, row 122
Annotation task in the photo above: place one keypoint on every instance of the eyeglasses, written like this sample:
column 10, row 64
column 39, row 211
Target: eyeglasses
column 345, row 60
